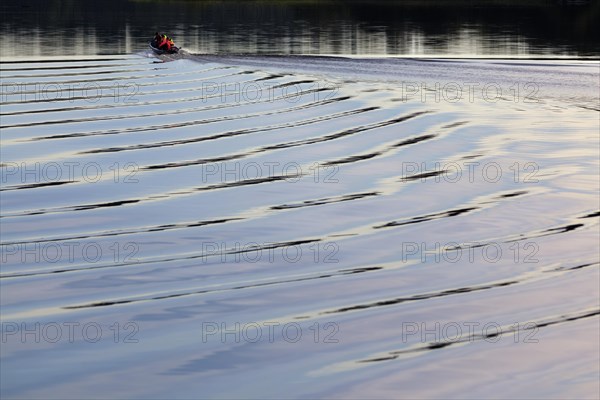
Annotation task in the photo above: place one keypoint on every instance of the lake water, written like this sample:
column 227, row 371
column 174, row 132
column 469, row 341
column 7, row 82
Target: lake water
column 293, row 226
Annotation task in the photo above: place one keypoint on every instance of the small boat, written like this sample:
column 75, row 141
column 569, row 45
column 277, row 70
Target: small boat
column 154, row 46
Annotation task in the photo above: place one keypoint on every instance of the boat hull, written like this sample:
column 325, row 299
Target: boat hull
column 156, row 50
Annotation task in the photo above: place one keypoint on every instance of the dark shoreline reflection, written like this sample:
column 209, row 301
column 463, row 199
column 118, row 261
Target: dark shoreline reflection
column 409, row 28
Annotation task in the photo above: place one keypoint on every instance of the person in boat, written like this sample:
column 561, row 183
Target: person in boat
column 164, row 42
column 157, row 39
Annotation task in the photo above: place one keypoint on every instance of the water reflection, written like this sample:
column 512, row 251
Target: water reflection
column 66, row 27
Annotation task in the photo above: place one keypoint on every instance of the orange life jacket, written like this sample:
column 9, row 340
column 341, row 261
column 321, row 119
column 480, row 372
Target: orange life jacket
column 166, row 41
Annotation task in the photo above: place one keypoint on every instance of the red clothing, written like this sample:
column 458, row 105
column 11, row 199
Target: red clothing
column 166, row 43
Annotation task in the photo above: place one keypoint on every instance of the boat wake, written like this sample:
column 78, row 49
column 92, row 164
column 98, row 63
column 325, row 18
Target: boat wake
column 240, row 212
